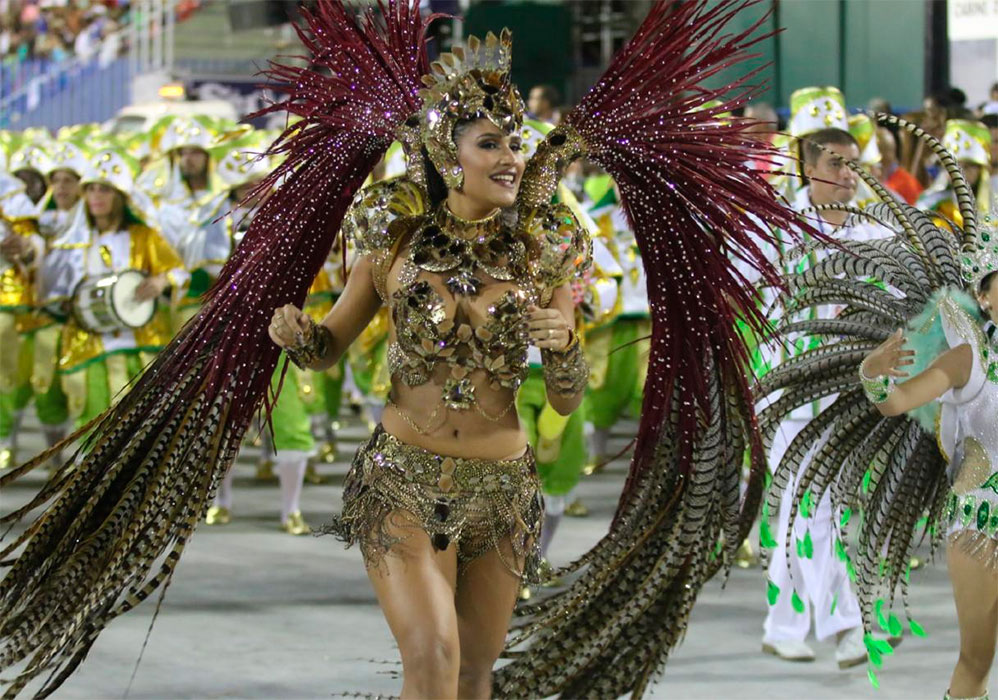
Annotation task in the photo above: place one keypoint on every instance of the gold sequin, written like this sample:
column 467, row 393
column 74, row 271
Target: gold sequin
column 476, row 504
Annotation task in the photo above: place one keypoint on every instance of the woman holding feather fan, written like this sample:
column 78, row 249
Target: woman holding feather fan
column 472, row 260
column 914, row 426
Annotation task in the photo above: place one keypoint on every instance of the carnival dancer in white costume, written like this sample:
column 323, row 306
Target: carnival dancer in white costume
column 813, row 581
column 62, row 204
column 179, row 187
column 21, row 251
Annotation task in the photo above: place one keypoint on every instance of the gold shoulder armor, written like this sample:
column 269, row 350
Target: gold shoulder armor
column 560, row 248
column 368, row 221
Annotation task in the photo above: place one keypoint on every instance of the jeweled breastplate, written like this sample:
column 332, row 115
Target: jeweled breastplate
column 432, row 330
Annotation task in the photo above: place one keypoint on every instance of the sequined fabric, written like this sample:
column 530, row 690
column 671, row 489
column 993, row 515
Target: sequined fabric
column 427, row 334
column 971, row 514
column 475, row 504
column 458, row 298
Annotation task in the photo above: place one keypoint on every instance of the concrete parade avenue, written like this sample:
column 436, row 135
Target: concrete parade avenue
column 255, row 613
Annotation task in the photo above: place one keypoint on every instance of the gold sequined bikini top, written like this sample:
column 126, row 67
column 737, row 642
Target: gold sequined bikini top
column 438, row 309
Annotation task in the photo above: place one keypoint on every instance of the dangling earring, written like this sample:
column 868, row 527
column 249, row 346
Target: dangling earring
column 453, row 176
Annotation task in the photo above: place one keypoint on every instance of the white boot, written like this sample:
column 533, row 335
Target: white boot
column 851, row 651
column 788, row 649
column 290, row 466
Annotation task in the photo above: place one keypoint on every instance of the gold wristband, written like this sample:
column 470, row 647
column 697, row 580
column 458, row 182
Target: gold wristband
column 566, row 372
column 312, row 345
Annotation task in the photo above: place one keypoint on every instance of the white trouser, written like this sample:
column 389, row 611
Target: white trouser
column 820, row 582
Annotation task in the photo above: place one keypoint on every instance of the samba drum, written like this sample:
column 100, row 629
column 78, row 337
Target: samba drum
column 107, row 304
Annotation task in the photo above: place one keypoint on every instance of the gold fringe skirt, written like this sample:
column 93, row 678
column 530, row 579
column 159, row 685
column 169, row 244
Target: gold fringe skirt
column 475, row 504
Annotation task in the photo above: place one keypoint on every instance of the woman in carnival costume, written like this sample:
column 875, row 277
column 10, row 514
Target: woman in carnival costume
column 474, row 262
column 111, row 235
column 911, row 430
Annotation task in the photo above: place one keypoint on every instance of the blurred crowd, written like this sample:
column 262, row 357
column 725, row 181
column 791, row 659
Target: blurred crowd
column 56, row 30
column 52, row 31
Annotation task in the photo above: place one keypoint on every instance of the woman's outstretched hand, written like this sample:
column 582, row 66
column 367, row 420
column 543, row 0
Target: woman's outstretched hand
column 889, row 357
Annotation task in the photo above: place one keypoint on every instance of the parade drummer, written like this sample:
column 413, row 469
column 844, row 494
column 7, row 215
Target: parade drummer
column 112, row 236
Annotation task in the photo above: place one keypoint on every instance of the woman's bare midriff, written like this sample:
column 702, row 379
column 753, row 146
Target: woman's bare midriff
column 455, row 433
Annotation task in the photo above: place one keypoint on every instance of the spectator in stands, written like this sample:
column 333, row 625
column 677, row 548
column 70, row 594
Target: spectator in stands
column 991, row 106
column 990, row 120
column 895, row 178
column 543, row 103
column 915, row 158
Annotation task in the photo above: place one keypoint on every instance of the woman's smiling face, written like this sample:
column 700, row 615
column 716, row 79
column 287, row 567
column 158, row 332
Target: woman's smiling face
column 492, row 162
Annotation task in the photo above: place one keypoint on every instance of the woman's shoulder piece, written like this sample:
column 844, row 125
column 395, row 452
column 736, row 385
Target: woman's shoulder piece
column 560, row 247
column 368, row 222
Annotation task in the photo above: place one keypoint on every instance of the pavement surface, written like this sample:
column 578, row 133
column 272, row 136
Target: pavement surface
column 256, row 613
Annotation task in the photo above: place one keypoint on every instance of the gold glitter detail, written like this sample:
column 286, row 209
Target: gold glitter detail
column 478, row 505
column 472, row 82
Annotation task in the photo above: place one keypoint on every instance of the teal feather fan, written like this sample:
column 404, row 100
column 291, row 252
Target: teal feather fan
column 924, row 334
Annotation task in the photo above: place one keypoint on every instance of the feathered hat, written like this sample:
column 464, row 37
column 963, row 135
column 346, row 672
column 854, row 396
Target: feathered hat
column 980, row 253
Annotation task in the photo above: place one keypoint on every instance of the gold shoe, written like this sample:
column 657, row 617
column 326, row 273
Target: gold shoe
column 265, row 470
column 218, row 515
column 296, row 525
column 577, row 509
column 6, row 458
column 745, row 557
column 548, row 579
column 312, row 475
column 327, row 452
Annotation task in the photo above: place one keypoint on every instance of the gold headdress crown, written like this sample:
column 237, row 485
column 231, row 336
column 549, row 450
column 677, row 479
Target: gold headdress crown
column 471, row 82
